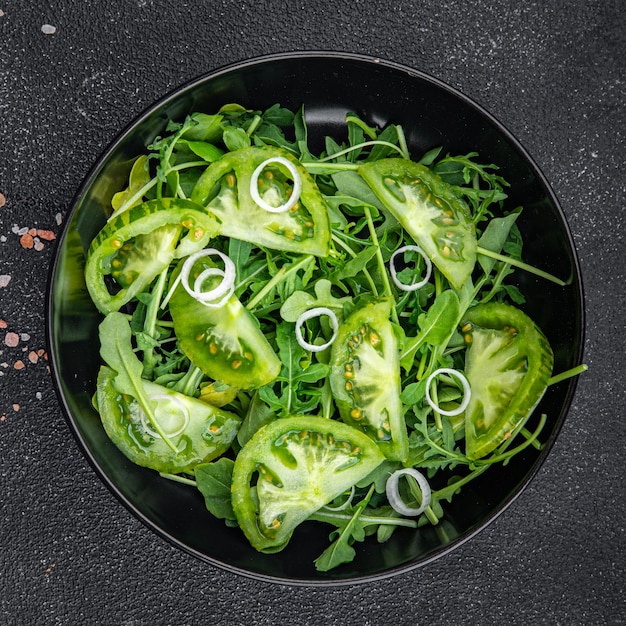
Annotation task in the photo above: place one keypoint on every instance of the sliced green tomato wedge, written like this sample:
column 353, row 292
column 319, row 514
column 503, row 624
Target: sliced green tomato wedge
column 199, row 431
column 224, row 188
column 430, row 211
column 225, row 342
column 365, row 378
column 137, row 245
column 508, row 364
column 292, row 467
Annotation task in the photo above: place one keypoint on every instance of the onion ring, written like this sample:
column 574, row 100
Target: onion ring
column 297, row 186
column 393, row 493
column 307, row 315
column 467, row 392
column 179, row 405
column 394, row 273
column 223, row 291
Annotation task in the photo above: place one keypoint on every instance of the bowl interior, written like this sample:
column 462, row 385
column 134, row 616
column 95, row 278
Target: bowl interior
column 329, row 86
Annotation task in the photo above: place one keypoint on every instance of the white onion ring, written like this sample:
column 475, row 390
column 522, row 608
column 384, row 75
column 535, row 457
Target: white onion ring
column 178, row 403
column 393, row 492
column 467, row 392
column 394, row 274
column 223, row 291
column 197, row 287
column 307, row 315
column 297, row 186
column 344, row 505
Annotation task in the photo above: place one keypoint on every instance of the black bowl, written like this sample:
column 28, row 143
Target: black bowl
column 329, row 85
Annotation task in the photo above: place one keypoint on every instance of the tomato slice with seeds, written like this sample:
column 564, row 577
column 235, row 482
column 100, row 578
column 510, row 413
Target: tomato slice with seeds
column 224, row 188
column 508, row 364
column 137, row 245
column 365, row 378
column 225, row 342
column 429, row 210
column 200, row 431
column 292, row 467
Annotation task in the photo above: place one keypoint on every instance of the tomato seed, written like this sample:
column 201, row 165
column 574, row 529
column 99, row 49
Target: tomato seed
column 356, row 414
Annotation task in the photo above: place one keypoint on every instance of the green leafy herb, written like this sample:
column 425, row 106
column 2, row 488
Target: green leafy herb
column 341, row 550
column 436, row 326
column 214, row 481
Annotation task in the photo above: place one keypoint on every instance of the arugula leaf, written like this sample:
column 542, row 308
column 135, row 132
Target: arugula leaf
column 205, row 150
column 239, row 253
column 380, row 475
column 391, row 134
column 436, row 326
column 257, row 415
column 353, row 120
column 433, row 449
column 466, row 175
column 283, row 281
column 279, row 116
column 204, row 128
column 139, row 177
column 495, row 236
column 236, row 138
column 294, row 390
column 356, row 265
column 214, row 481
column 350, row 185
column 413, row 393
column 430, row 157
column 340, row 550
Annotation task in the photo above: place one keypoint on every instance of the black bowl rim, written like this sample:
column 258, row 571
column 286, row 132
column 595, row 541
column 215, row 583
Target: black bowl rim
column 268, row 59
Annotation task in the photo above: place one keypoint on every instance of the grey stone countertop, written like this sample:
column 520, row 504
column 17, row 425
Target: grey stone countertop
column 73, row 73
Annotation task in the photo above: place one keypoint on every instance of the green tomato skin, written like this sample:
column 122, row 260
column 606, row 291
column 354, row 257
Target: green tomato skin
column 427, row 207
column 303, row 462
column 225, row 342
column 224, row 189
column 208, row 434
column 508, row 365
column 365, row 378
column 137, row 245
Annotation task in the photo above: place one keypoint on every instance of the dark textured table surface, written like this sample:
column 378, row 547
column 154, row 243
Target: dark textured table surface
column 74, row 72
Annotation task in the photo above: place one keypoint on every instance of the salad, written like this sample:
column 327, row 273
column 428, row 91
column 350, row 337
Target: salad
column 314, row 338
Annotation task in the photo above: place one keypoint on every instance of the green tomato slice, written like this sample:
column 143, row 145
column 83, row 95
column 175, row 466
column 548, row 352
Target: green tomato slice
column 508, row 364
column 224, row 188
column 430, row 211
column 225, row 342
column 365, row 378
column 200, row 431
column 292, row 467
column 137, row 245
